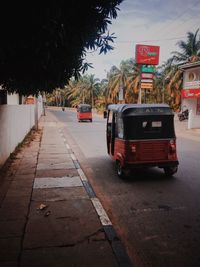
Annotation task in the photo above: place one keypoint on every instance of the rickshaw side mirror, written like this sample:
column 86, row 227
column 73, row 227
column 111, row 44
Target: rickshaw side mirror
column 105, row 114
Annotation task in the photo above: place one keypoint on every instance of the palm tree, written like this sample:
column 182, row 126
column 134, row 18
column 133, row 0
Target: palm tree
column 76, row 93
column 102, row 100
column 114, row 81
column 83, row 90
column 174, row 87
column 91, row 85
column 126, row 77
column 190, row 50
column 133, row 81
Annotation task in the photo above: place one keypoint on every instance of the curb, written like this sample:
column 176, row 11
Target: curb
column 115, row 242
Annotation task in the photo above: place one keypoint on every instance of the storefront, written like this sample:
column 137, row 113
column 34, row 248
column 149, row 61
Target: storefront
column 191, row 93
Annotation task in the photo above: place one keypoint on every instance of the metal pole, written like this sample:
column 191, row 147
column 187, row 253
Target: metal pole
column 44, row 102
column 140, row 91
column 145, row 96
column 92, row 98
column 121, row 93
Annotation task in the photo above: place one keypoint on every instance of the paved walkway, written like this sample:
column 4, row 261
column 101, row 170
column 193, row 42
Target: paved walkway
column 49, row 214
column 183, row 131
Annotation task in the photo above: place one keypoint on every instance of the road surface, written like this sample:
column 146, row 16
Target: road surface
column 157, row 218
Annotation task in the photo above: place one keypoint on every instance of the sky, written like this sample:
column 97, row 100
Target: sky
column 150, row 22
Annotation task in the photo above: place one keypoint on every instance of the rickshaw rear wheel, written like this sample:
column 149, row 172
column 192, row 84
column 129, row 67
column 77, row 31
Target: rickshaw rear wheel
column 120, row 169
column 169, row 171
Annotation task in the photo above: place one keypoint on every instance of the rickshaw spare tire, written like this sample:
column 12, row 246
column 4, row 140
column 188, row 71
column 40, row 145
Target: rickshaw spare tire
column 120, row 169
column 169, row 171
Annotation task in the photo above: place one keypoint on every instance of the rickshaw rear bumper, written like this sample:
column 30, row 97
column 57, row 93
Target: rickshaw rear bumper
column 152, row 164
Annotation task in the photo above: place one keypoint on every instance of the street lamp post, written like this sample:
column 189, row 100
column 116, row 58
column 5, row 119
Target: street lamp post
column 140, row 89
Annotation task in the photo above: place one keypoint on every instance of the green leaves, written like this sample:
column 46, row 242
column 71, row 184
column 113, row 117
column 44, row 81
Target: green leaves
column 104, row 43
column 42, row 46
column 86, row 66
column 190, row 50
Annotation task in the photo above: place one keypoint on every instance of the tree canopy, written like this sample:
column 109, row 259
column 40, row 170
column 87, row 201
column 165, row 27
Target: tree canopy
column 190, row 50
column 44, row 43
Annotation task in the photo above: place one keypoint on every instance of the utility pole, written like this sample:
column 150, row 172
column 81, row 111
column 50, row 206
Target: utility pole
column 92, row 97
column 44, row 102
column 140, row 90
column 121, row 93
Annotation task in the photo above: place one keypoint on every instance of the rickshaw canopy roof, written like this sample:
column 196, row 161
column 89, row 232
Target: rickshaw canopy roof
column 84, row 108
column 84, row 105
column 140, row 109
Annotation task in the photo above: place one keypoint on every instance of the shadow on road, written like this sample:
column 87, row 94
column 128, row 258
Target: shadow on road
column 105, row 171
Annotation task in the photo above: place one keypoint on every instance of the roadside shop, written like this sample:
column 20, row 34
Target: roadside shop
column 191, row 93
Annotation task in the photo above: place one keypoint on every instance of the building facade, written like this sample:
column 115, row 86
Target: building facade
column 191, row 93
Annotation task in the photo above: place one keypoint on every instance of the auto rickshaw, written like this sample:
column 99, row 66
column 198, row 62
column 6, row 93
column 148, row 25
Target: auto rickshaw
column 84, row 112
column 141, row 135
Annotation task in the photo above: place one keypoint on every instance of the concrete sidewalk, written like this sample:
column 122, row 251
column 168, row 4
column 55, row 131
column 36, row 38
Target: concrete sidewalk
column 49, row 214
column 181, row 128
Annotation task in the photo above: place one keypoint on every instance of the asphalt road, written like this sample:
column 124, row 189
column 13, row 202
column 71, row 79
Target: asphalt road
column 157, row 218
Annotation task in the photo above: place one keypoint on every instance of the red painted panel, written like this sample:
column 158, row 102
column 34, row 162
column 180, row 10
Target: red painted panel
column 146, row 151
column 150, row 151
column 147, row 54
column 146, row 75
column 190, row 93
column 84, row 115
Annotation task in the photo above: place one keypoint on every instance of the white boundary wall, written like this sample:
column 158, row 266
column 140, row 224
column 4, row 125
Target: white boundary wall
column 191, row 105
column 16, row 121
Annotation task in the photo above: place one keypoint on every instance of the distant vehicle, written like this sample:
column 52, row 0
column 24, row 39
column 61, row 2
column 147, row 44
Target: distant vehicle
column 141, row 135
column 84, row 112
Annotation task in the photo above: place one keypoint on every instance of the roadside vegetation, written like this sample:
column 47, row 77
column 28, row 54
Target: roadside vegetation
column 167, row 84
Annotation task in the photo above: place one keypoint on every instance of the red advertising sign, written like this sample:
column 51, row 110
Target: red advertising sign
column 146, row 75
column 190, row 93
column 147, row 54
column 146, row 85
column 146, row 80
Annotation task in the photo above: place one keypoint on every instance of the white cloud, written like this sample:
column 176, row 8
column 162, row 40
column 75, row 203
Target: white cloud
column 152, row 22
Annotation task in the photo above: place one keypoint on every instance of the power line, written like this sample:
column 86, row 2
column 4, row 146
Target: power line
column 177, row 17
column 153, row 40
column 191, row 19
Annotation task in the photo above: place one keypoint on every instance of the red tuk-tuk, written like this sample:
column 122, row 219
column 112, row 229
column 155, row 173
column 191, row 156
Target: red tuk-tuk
column 84, row 112
column 142, row 135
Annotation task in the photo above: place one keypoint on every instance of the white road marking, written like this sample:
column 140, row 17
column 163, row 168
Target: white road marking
column 82, row 175
column 101, row 212
column 67, row 146
column 73, row 156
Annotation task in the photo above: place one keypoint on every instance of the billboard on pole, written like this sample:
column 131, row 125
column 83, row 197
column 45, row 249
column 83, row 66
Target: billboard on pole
column 147, row 54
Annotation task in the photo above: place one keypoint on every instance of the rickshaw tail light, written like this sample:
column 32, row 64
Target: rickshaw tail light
column 133, row 149
column 172, row 148
column 172, row 142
